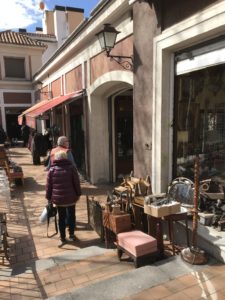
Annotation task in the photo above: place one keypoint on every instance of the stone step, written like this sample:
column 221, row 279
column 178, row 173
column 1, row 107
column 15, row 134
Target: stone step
column 212, row 241
column 133, row 281
column 209, row 239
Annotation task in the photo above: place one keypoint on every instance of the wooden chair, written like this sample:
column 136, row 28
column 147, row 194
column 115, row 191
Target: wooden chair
column 3, row 154
column 141, row 188
column 12, row 175
column 3, row 237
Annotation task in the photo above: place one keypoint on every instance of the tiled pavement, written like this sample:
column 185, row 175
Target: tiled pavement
column 28, row 242
column 20, row 279
column 205, row 284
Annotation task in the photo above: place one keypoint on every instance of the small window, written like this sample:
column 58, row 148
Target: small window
column 14, row 67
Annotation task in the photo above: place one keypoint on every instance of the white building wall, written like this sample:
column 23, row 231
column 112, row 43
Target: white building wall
column 61, row 26
column 99, row 142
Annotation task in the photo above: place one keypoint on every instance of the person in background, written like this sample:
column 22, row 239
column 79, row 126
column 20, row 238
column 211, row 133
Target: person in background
column 36, row 147
column 48, row 139
column 62, row 145
column 25, row 132
column 48, row 145
column 13, row 132
column 63, row 189
column 3, row 135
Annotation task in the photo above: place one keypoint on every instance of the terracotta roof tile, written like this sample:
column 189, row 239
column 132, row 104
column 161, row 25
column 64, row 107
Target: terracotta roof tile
column 16, row 38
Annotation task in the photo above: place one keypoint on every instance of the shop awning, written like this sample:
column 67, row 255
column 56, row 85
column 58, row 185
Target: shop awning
column 37, row 105
column 34, row 113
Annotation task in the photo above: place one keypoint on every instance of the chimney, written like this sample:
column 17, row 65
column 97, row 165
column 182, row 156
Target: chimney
column 62, row 21
column 22, row 30
column 74, row 17
column 39, row 30
column 59, row 7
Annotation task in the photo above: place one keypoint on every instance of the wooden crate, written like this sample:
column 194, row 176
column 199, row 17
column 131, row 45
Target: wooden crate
column 120, row 223
column 162, row 211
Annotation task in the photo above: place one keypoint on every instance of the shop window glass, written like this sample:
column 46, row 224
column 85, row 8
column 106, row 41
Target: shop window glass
column 200, row 123
column 14, row 67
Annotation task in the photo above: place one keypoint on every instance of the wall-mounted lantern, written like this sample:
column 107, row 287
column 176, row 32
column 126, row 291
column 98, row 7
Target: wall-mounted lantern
column 107, row 39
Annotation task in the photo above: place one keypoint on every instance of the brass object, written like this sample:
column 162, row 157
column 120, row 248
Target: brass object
column 193, row 254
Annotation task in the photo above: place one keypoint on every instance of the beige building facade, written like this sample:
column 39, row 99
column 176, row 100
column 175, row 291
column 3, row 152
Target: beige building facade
column 20, row 58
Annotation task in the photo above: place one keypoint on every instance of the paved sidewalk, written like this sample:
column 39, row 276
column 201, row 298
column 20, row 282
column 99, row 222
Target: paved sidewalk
column 29, row 245
column 39, row 269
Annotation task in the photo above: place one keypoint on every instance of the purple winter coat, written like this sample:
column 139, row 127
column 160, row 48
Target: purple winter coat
column 63, row 183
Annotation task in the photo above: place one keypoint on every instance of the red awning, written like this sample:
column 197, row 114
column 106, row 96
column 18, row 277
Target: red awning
column 33, row 114
column 20, row 117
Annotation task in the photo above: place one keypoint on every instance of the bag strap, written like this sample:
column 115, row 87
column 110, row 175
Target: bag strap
column 56, row 227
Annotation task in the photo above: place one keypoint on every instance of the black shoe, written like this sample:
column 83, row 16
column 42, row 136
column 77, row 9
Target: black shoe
column 72, row 238
column 63, row 242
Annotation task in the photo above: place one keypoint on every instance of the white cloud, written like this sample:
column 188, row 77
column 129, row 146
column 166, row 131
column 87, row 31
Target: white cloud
column 16, row 14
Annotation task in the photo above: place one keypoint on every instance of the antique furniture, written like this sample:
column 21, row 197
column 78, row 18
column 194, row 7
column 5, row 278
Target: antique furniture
column 181, row 189
column 212, row 203
column 141, row 188
column 173, row 218
column 13, row 171
column 13, row 174
column 94, row 211
column 137, row 245
column 115, row 224
column 161, row 207
column 4, row 209
column 3, row 238
column 124, row 195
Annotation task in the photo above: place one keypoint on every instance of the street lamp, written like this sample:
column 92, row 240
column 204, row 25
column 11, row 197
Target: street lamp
column 107, row 39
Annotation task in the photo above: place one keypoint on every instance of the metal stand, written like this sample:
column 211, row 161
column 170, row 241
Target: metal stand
column 194, row 255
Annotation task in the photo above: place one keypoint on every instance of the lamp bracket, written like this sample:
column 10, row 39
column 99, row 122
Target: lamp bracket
column 125, row 61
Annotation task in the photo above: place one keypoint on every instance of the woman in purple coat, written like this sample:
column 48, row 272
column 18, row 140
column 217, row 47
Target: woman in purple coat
column 63, row 189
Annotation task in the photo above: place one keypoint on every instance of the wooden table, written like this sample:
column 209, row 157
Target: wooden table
column 155, row 229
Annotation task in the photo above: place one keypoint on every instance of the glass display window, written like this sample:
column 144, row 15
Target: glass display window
column 199, row 112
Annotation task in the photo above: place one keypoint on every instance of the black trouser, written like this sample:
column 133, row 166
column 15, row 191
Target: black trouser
column 25, row 141
column 36, row 158
column 66, row 214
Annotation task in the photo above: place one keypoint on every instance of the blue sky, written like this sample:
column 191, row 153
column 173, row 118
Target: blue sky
column 16, row 14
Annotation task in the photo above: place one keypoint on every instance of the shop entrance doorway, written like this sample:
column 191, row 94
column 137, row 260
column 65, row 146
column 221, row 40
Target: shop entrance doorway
column 77, row 134
column 12, row 127
column 123, row 115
